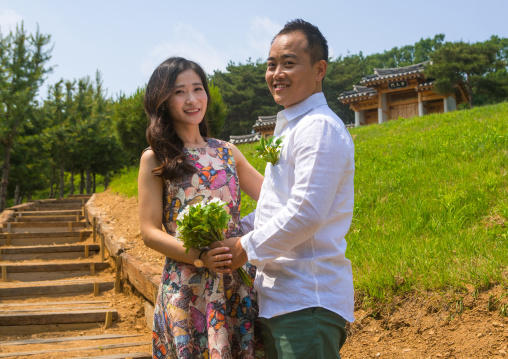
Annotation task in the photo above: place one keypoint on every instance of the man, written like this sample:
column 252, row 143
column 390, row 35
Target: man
column 304, row 281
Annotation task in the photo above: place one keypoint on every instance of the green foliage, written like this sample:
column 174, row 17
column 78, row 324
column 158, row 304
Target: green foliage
column 23, row 59
column 426, row 193
column 269, row 149
column 431, row 202
column 201, row 224
column 469, row 64
column 131, row 122
column 217, row 112
column 125, row 182
column 244, row 90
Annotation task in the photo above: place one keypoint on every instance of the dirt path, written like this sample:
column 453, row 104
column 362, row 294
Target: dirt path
column 469, row 325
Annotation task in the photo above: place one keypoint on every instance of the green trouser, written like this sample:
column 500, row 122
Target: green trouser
column 311, row 333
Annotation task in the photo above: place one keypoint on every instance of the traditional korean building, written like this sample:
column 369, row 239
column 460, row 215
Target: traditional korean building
column 264, row 127
column 398, row 92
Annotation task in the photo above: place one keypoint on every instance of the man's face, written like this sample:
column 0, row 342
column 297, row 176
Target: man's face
column 290, row 75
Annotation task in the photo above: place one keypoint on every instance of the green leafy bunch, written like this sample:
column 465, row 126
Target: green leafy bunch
column 269, row 149
column 201, row 224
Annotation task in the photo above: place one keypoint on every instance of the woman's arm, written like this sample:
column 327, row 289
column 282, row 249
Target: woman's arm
column 150, row 221
column 250, row 179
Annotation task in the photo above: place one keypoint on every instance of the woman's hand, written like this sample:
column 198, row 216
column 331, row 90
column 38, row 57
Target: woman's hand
column 217, row 259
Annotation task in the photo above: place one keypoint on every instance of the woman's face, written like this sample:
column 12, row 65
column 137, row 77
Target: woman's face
column 188, row 101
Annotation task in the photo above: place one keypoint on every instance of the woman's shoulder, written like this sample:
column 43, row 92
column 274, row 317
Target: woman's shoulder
column 216, row 143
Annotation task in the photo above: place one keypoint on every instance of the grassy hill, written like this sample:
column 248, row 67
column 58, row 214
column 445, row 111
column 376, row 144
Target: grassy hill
column 431, row 203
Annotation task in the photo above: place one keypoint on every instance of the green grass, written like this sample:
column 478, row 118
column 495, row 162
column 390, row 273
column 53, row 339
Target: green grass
column 126, row 183
column 431, row 203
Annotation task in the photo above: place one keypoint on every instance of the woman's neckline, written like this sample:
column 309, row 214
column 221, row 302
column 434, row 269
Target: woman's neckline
column 198, row 148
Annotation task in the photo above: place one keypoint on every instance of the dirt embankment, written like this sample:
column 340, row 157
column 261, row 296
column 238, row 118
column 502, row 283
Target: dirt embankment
column 469, row 325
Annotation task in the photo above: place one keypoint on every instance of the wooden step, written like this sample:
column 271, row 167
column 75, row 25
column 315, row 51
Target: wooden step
column 83, row 195
column 48, row 252
column 102, row 347
column 29, row 271
column 66, row 339
column 57, row 317
column 41, row 227
column 31, row 239
column 52, row 288
column 63, row 200
column 30, row 213
column 56, row 207
column 71, row 218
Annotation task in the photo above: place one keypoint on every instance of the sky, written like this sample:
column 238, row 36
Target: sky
column 126, row 40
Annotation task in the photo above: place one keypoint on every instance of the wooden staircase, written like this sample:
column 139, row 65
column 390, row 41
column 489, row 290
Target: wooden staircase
column 55, row 280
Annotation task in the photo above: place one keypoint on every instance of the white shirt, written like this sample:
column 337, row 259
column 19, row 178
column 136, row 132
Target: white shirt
column 303, row 214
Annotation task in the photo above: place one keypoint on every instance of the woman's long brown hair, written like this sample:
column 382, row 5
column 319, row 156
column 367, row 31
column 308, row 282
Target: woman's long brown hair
column 161, row 134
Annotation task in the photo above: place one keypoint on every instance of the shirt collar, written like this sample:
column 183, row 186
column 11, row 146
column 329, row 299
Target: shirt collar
column 301, row 108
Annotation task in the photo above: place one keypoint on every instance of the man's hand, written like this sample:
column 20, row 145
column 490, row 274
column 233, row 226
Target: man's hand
column 236, row 249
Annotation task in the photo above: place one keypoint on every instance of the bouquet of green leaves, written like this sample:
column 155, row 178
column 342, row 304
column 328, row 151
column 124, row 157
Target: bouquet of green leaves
column 201, row 224
column 269, row 149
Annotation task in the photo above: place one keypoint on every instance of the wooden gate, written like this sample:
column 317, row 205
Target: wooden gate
column 406, row 110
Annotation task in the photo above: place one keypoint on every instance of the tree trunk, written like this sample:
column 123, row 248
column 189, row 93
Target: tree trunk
column 5, row 177
column 62, row 170
column 52, row 182
column 82, row 183
column 106, row 181
column 29, row 196
column 470, row 91
column 88, row 180
column 94, row 187
column 71, row 186
column 16, row 195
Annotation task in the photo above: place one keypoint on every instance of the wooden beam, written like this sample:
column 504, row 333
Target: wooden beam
column 68, row 339
column 4, row 274
column 27, row 290
column 102, row 247
column 60, row 350
column 118, row 275
column 96, row 289
column 81, row 316
column 144, row 277
column 94, row 230
column 109, row 320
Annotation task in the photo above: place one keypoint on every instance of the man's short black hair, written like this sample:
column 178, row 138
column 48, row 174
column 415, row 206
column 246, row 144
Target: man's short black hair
column 317, row 44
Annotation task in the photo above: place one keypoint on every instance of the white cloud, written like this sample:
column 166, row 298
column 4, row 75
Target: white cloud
column 261, row 33
column 8, row 20
column 189, row 43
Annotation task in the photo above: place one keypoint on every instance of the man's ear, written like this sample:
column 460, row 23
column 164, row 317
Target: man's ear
column 321, row 67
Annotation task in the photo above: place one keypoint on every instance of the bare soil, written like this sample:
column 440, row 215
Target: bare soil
column 473, row 324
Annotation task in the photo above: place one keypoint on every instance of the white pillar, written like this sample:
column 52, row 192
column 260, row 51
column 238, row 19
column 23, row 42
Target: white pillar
column 452, row 103
column 445, row 102
column 359, row 118
column 382, row 111
column 420, row 108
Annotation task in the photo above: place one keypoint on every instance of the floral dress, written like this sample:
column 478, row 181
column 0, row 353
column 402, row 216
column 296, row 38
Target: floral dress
column 199, row 314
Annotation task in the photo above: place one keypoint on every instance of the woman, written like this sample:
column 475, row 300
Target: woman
column 197, row 314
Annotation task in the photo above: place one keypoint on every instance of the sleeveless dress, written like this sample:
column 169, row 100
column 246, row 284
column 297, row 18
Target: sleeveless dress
column 199, row 314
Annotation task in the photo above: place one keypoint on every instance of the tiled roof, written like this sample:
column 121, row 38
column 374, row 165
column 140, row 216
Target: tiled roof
column 425, row 86
column 252, row 137
column 265, row 121
column 357, row 92
column 381, row 74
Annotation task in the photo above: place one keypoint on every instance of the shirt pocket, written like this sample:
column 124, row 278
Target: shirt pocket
column 277, row 187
